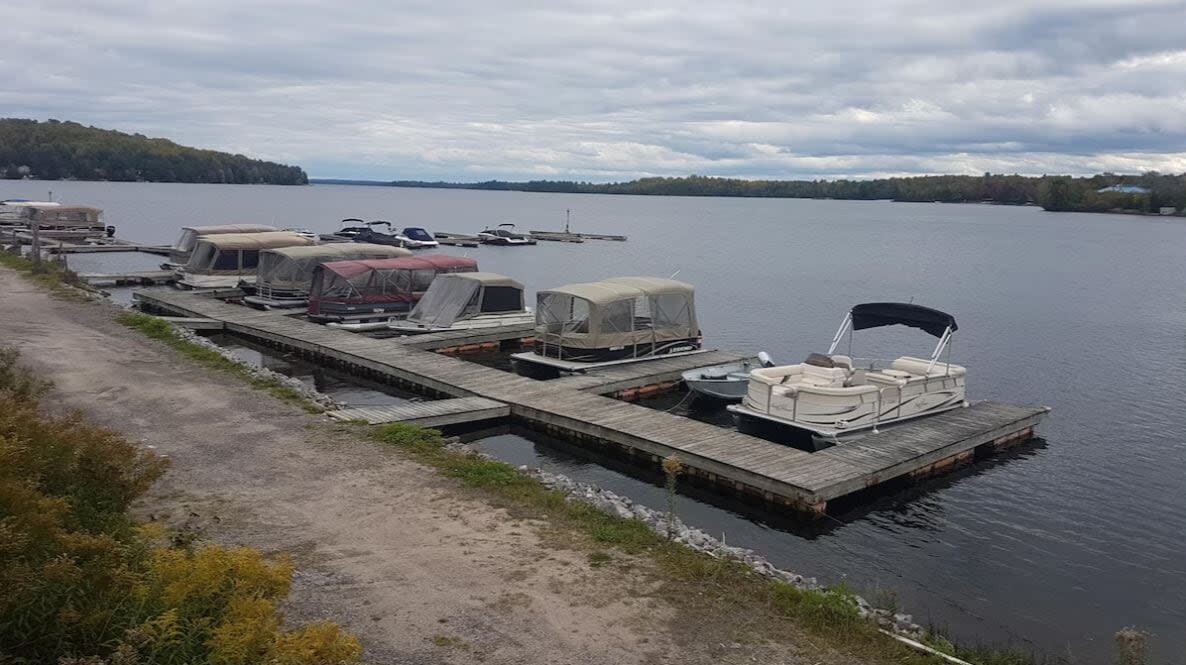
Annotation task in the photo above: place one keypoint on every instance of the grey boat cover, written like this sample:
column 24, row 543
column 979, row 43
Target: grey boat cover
column 220, row 254
column 456, row 296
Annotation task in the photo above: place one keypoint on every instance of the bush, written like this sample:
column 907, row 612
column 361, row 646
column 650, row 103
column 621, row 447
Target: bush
column 81, row 583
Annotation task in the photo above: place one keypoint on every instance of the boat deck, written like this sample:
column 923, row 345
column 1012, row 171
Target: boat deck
column 724, row 457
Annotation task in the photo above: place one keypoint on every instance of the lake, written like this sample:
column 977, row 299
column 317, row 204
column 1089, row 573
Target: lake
column 1055, row 546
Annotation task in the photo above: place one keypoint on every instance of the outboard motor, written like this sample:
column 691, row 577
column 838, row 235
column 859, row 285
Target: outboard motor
column 764, row 359
column 110, row 231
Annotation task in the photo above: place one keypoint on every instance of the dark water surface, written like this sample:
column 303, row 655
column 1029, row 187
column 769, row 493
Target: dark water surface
column 1057, row 546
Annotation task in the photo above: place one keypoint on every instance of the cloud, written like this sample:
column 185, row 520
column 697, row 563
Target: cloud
column 616, row 90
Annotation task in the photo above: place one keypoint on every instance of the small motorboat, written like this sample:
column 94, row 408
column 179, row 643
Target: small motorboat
column 727, row 382
column 415, row 237
column 372, row 234
column 817, row 403
column 504, row 234
column 348, row 230
column 304, row 233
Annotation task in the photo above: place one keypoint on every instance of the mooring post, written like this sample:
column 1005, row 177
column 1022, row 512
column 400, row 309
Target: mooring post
column 35, row 247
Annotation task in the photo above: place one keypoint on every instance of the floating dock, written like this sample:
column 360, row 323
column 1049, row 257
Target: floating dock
column 456, row 239
column 577, row 407
column 436, row 413
column 565, row 236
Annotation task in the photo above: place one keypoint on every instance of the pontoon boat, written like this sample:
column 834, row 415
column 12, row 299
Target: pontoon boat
column 285, row 275
column 816, row 403
column 614, row 321
column 56, row 221
column 222, row 261
column 180, row 252
column 376, row 289
column 415, row 237
column 505, row 234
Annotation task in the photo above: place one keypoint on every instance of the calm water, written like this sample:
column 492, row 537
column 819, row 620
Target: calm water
column 1058, row 545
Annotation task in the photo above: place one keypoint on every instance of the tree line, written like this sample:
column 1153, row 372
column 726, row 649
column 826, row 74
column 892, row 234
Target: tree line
column 55, row 150
column 1061, row 193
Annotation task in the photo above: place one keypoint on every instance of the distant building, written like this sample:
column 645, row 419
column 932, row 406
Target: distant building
column 1167, row 210
column 1124, row 189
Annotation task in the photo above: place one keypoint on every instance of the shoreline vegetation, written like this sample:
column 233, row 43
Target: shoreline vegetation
column 1106, row 192
column 56, row 150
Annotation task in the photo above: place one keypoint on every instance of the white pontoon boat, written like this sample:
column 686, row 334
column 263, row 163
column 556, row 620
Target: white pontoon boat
column 814, row 404
column 466, row 301
column 621, row 320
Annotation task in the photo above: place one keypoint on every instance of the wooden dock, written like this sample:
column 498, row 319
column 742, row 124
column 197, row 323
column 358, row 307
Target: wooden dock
column 143, row 278
column 565, row 236
column 456, row 239
column 574, row 407
column 435, row 413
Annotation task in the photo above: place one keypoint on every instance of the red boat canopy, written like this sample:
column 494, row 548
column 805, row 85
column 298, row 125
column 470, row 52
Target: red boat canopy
column 371, row 281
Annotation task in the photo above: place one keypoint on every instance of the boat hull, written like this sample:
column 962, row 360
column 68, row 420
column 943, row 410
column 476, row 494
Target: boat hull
column 536, row 365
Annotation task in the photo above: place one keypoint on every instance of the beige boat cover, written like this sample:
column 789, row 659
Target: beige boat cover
column 622, row 311
column 212, row 255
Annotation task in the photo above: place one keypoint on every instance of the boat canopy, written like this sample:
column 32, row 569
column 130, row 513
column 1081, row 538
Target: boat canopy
column 621, row 311
column 236, row 253
column 291, row 268
column 877, row 314
column 55, row 215
column 403, row 279
column 190, row 234
column 460, row 296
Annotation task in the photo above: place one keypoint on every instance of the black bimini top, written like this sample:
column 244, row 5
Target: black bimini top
column 877, row 314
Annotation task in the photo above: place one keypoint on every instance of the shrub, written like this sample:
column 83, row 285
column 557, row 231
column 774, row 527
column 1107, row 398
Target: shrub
column 82, row 584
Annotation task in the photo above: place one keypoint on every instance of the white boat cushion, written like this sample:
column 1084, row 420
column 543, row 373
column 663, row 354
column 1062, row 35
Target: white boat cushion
column 918, row 366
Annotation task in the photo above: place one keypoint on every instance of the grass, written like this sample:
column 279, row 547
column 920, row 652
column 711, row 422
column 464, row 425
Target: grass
column 720, row 590
column 159, row 329
column 49, row 274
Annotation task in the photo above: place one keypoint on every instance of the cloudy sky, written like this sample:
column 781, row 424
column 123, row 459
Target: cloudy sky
column 614, row 90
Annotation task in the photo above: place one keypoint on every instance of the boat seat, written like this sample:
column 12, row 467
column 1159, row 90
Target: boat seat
column 918, row 366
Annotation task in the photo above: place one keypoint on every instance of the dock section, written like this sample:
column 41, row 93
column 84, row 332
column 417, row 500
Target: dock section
column 435, row 413
column 726, row 459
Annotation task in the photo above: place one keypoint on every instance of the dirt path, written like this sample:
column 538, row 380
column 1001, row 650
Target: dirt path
column 382, row 545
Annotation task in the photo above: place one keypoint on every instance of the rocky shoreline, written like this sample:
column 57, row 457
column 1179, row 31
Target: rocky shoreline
column 658, row 521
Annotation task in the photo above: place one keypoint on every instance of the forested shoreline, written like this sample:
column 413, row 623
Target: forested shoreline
column 55, row 150
column 1057, row 193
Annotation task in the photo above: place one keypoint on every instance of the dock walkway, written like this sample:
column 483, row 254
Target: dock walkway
column 435, row 413
column 741, row 463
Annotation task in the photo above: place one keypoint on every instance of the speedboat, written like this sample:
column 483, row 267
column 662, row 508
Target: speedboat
column 304, row 233
column 504, row 234
column 726, row 382
column 348, row 230
column 817, row 403
column 415, row 237
column 372, row 234
column 579, row 327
